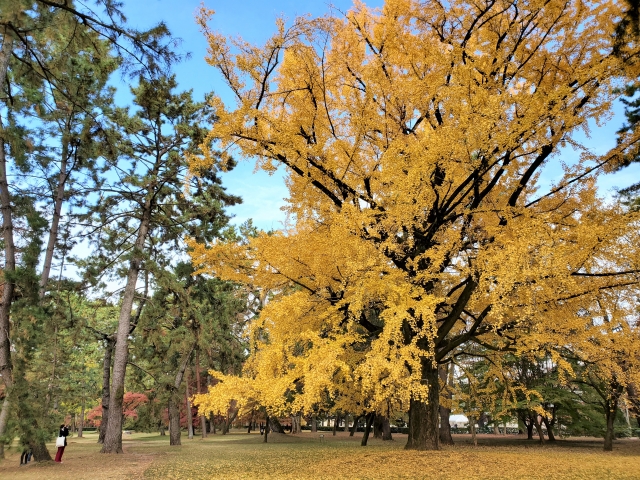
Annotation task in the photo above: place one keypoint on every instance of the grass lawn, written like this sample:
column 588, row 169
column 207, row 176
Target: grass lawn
column 239, row 455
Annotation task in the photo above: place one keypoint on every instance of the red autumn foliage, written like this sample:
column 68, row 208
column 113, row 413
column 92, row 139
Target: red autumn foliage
column 130, row 404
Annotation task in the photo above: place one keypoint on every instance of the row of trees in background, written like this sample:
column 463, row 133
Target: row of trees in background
column 101, row 191
column 425, row 230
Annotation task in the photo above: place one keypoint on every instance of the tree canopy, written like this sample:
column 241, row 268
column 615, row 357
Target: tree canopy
column 414, row 138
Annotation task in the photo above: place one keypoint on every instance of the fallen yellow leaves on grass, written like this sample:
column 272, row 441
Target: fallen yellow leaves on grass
column 303, row 456
column 242, row 456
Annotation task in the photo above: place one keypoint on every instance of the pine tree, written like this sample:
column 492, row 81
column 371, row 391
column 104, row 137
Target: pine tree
column 628, row 33
column 52, row 65
column 143, row 212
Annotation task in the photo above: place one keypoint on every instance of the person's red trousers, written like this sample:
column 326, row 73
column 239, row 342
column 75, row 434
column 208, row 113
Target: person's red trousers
column 59, row 454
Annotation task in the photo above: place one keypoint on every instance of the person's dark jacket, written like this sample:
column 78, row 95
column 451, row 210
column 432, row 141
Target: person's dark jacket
column 64, row 432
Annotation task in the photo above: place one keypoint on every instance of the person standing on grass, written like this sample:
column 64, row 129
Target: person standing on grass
column 64, row 432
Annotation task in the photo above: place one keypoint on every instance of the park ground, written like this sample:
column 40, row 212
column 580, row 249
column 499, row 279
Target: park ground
column 242, row 455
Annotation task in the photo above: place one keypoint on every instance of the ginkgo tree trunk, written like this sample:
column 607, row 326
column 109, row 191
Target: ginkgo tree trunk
column 413, row 138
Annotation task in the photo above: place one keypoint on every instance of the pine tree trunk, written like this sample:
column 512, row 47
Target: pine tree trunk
column 40, row 452
column 113, row 437
column 106, row 388
column 81, row 426
column 203, row 420
column 423, row 416
column 174, row 399
column 55, row 221
column 367, row 429
column 174, row 419
column 203, row 426
column 189, row 419
column 188, row 405
column 212, row 420
column 4, row 416
column 6, row 369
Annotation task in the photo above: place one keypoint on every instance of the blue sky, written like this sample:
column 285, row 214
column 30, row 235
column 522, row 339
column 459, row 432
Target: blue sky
column 254, row 20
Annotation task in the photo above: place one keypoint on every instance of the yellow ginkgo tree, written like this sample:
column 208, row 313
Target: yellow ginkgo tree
column 414, row 138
